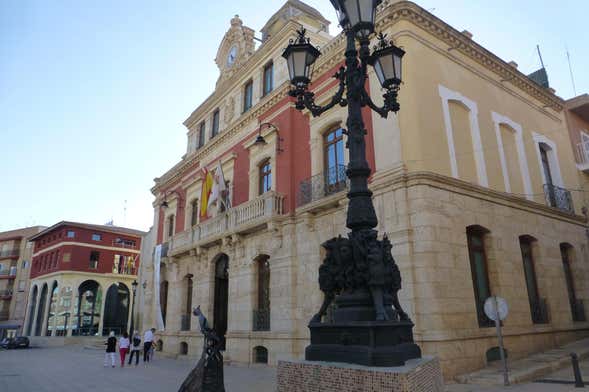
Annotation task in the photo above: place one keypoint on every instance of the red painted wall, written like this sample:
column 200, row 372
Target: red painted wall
column 56, row 243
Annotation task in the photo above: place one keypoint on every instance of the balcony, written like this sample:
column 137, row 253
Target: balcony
column 126, row 244
column 5, row 294
column 245, row 218
column 9, row 254
column 261, row 320
column 559, row 198
column 539, row 311
column 8, row 274
column 333, row 181
column 578, row 310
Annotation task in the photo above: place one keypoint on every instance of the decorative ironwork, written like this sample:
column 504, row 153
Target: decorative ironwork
column 185, row 322
column 578, row 310
column 539, row 310
column 558, row 197
column 332, row 181
column 261, row 320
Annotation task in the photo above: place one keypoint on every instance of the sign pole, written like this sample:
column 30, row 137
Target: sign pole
column 500, row 338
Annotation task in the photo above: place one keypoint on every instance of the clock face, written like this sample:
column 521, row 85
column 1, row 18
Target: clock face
column 232, row 56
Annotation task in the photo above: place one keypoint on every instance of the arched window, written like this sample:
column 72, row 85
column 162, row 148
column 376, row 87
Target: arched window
column 262, row 313
column 478, row 267
column 577, row 308
column 538, row 308
column 194, row 212
column 260, row 354
column 265, row 177
column 164, row 299
column 52, row 309
column 185, row 321
column 333, row 147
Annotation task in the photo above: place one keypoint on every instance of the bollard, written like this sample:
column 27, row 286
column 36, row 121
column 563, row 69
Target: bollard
column 578, row 378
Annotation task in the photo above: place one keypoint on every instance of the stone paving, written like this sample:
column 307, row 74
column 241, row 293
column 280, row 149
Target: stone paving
column 73, row 368
column 81, row 369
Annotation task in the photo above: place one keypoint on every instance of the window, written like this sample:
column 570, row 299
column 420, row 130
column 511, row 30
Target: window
column 478, row 268
column 546, row 163
column 262, row 313
column 94, row 256
column 71, row 234
column 170, row 226
column 66, row 257
column 577, row 307
column 265, row 177
column 201, row 135
column 335, row 172
column 537, row 307
column 194, row 212
column 268, row 78
column 248, row 95
column 96, row 237
column 22, row 285
column 215, row 124
column 25, row 264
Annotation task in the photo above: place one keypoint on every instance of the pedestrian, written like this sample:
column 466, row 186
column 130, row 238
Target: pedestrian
column 135, row 348
column 124, row 344
column 147, row 343
column 111, row 348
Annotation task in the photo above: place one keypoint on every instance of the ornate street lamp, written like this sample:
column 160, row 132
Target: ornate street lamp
column 369, row 326
column 134, row 289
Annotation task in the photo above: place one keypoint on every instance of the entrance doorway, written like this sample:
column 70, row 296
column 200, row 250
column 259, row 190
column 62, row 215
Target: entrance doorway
column 221, row 297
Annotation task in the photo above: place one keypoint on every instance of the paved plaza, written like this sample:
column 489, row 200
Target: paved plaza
column 81, row 369
column 75, row 368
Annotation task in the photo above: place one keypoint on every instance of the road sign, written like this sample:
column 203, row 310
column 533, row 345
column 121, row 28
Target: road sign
column 502, row 308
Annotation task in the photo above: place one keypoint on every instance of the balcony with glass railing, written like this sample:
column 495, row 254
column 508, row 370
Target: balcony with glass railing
column 559, row 198
column 9, row 253
column 244, row 218
column 323, row 185
column 8, row 273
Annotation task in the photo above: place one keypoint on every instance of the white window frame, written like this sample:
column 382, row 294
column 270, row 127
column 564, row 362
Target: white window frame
column 448, row 95
column 499, row 120
column 552, row 159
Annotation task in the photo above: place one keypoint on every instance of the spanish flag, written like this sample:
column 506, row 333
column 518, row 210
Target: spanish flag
column 207, row 186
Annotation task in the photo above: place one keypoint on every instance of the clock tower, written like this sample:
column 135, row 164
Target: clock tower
column 236, row 47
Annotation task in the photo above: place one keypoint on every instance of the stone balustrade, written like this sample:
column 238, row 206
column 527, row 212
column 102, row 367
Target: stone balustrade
column 235, row 220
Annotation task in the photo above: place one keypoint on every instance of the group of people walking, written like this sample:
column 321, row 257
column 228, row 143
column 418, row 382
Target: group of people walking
column 132, row 346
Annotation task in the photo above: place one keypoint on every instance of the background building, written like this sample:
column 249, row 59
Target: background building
column 472, row 183
column 15, row 262
column 81, row 277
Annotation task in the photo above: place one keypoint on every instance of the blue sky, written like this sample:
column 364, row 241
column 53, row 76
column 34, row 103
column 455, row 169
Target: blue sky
column 93, row 94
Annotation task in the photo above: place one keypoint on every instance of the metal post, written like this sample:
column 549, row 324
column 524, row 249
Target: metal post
column 500, row 337
column 131, row 330
column 578, row 378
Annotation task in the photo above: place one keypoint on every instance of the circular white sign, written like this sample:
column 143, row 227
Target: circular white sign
column 501, row 307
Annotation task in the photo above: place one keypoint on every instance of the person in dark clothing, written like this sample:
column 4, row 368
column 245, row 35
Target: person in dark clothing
column 135, row 348
column 111, row 348
column 147, row 342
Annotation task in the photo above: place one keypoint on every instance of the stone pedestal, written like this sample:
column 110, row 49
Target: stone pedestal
column 366, row 343
column 417, row 375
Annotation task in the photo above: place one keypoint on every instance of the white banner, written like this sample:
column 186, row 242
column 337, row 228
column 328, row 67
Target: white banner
column 157, row 258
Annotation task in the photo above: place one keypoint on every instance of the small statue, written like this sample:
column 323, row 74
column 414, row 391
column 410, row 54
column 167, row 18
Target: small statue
column 207, row 376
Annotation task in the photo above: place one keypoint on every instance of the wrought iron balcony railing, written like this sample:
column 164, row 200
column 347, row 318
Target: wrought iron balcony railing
column 578, row 310
column 261, row 320
column 332, row 181
column 559, row 198
column 185, row 322
column 9, row 253
column 539, row 311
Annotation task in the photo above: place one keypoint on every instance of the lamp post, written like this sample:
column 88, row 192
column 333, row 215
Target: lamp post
column 134, row 289
column 359, row 273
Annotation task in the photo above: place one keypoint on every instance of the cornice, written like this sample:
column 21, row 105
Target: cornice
column 391, row 12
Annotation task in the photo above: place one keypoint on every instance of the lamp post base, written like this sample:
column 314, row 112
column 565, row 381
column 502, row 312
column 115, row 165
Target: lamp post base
column 367, row 343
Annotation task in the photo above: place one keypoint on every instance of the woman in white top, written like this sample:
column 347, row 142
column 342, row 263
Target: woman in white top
column 124, row 347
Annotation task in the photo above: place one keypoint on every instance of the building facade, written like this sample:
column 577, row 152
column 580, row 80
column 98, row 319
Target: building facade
column 472, row 183
column 81, row 280
column 15, row 263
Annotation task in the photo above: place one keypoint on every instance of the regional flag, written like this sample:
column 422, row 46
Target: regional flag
column 207, row 186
